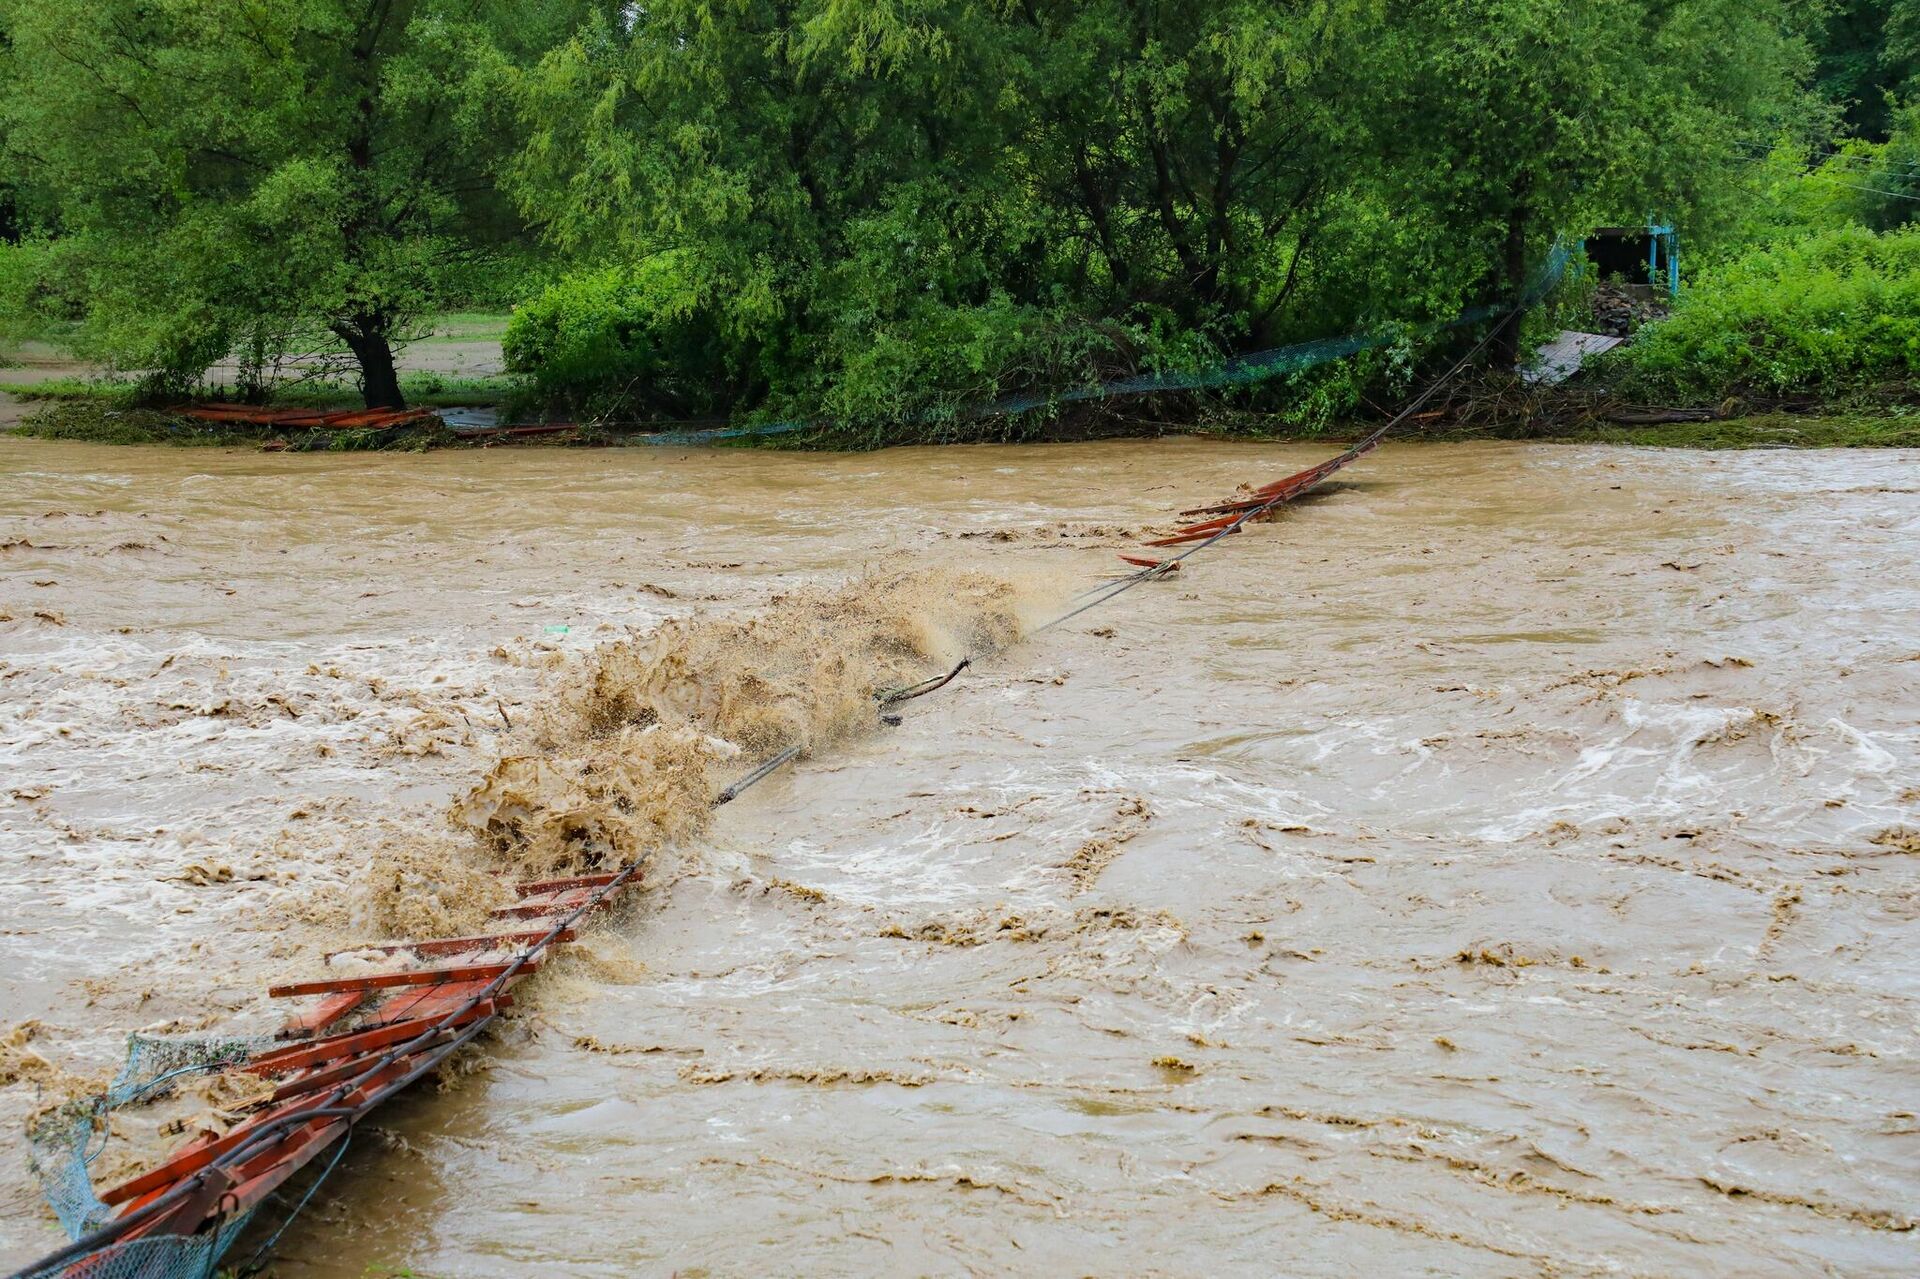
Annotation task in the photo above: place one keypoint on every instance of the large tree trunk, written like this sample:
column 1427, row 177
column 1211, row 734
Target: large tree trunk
column 1506, row 346
column 1099, row 213
column 365, row 333
column 379, row 380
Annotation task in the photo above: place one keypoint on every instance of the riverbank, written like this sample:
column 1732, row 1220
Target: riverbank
column 90, row 420
column 46, row 393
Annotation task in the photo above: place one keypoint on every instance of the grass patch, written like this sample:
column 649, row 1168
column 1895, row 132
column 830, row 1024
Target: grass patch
column 468, row 326
column 112, row 391
column 1830, row 430
column 436, row 390
column 1765, row 431
column 423, row 390
column 1834, row 427
column 90, row 422
column 99, row 423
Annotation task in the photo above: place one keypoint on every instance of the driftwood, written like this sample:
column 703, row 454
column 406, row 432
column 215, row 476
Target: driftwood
column 1660, row 417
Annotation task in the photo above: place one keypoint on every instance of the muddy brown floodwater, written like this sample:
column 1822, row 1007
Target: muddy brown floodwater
column 1504, row 863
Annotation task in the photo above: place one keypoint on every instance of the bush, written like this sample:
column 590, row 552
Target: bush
column 1835, row 313
column 991, row 370
column 620, row 340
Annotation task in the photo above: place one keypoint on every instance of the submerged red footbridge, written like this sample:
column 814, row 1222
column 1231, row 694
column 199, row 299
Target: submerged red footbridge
column 355, row 1041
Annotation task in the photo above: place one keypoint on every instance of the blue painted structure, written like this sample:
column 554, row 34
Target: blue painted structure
column 1618, row 250
column 1664, row 257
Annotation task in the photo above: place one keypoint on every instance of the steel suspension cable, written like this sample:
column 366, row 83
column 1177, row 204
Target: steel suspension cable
column 270, row 1133
column 1371, row 441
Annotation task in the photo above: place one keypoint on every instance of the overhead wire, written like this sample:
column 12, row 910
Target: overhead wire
column 1896, row 169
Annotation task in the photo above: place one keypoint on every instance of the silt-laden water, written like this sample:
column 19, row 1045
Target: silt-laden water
column 1502, row 863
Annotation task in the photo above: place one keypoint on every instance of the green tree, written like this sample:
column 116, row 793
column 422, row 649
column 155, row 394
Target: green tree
column 1194, row 145
column 879, row 205
column 1519, row 121
column 1870, row 52
column 10, row 228
column 1900, row 60
column 244, row 178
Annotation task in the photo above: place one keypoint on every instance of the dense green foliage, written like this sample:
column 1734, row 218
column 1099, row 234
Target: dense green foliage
column 1869, row 54
column 1881, row 182
column 1790, row 193
column 249, row 179
column 614, row 337
column 1829, row 314
column 1817, row 290
column 881, row 214
column 889, row 213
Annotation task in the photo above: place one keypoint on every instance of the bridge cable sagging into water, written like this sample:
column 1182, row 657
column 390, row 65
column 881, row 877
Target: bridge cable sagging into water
column 176, row 1220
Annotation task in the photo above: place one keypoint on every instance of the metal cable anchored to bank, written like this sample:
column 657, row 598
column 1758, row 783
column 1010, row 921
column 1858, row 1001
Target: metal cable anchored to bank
column 178, row 1218
column 366, row 1038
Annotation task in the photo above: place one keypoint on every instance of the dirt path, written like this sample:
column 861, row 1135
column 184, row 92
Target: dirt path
column 37, row 362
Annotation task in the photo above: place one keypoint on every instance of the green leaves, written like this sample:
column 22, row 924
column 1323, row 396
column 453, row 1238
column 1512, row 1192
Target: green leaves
column 884, row 210
column 851, row 187
column 231, row 175
column 1829, row 314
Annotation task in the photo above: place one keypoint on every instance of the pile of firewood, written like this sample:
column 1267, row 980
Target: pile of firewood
column 1619, row 309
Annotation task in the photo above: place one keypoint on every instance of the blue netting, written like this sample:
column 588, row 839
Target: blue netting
column 63, row 1143
column 160, row 1257
column 1242, row 370
column 155, row 1060
column 693, row 439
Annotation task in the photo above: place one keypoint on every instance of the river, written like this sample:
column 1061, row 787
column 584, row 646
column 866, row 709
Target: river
column 1505, row 862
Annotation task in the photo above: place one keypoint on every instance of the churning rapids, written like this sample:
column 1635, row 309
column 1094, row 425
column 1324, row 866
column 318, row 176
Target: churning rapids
column 1507, row 862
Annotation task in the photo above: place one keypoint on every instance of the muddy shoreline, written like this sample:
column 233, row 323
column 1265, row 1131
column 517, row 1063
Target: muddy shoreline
column 1483, row 414
column 89, row 424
